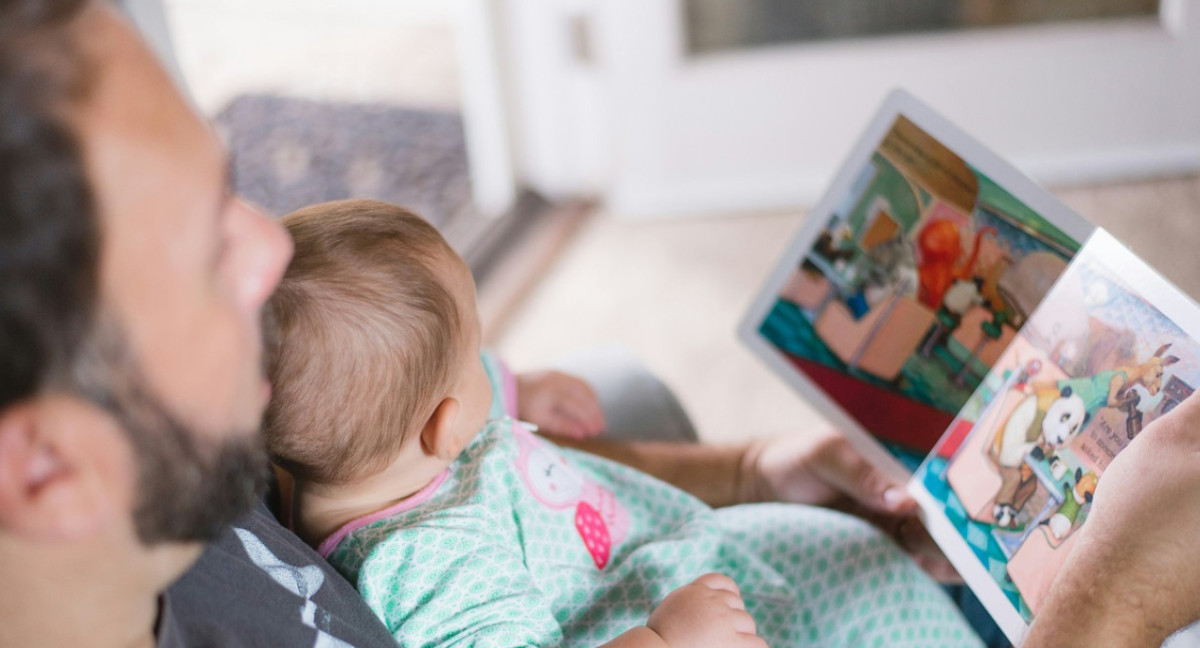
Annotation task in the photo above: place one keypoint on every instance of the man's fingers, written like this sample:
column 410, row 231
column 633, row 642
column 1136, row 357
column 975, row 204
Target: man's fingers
column 914, row 538
column 939, row 569
column 842, row 467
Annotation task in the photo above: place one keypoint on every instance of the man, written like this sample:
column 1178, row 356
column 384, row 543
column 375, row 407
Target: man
column 132, row 283
column 130, row 288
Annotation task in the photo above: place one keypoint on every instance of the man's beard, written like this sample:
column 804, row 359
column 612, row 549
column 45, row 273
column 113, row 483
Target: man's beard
column 190, row 487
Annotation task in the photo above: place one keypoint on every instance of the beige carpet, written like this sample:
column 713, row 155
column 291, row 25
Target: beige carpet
column 674, row 291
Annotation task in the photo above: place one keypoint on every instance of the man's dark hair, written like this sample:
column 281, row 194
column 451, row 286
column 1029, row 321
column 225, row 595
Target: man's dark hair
column 49, row 231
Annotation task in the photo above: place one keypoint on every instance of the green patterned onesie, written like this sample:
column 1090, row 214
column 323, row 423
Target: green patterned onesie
column 521, row 543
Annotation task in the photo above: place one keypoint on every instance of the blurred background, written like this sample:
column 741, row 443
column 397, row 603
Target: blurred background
column 628, row 171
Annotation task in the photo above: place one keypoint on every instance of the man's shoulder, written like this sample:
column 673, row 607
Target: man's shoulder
column 260, row 585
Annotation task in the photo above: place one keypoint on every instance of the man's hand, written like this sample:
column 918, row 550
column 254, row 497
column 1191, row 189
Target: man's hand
column 559, row 404
column 823, row 469
column 1134, row 576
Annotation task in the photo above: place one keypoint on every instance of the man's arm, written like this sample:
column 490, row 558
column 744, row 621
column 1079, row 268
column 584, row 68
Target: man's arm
column 818, row 467
column 1088, row 607
column 1134, row 577
column 716, row 474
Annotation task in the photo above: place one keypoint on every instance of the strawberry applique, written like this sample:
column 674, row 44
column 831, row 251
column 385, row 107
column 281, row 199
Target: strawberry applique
column 594, row 532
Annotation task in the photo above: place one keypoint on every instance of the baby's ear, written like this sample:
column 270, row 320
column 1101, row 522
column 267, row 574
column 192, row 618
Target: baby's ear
column 438, row 436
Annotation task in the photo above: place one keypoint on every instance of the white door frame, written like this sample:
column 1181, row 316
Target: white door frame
column 486, row 105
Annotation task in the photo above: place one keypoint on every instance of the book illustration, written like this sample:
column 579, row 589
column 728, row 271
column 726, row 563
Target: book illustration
column 1062, row 521
column 942, row 311
column 919, row 278
column 1016, row 472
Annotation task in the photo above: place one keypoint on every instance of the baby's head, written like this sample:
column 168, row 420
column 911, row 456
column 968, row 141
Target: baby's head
column 377, row 355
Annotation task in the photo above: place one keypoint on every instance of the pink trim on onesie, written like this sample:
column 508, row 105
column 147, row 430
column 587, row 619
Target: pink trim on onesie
column 412, row 501
column 510, row 388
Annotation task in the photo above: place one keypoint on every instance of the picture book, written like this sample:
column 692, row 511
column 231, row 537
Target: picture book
column 976, row 339
column 1112, row 347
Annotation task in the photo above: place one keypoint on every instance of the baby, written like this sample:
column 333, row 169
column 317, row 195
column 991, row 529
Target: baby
column 416, row 479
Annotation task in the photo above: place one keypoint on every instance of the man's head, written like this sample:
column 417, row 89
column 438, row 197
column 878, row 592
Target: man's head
column 376, row 329
column 131, row 283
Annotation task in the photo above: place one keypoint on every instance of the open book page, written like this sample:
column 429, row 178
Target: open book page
column 1112, row 347
column 908, row 281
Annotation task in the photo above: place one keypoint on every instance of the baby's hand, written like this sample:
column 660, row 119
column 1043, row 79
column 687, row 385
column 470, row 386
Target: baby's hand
column 559, row 404
column 708, row 612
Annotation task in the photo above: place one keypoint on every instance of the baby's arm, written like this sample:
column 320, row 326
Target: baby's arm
column 708, row 612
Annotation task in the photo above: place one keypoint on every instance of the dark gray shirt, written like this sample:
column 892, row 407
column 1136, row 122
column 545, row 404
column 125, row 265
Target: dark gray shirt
column 260, row 585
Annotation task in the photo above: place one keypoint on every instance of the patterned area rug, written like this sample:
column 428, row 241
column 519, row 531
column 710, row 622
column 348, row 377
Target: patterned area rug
column 288, row 153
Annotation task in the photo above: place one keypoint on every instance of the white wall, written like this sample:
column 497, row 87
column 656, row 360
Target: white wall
column 658, row 133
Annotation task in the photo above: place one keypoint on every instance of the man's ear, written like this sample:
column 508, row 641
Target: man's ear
column 438, row 437
column 52, row 484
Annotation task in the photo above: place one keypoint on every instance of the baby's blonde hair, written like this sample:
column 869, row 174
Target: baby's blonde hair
column 368, row 338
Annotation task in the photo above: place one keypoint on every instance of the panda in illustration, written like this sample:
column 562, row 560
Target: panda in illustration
column 1047, row 419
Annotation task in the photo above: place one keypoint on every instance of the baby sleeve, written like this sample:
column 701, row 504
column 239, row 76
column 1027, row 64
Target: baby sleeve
column 442, row 587
column 504, row 386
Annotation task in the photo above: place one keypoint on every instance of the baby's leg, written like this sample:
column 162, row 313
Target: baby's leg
column 853, row 586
